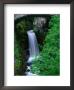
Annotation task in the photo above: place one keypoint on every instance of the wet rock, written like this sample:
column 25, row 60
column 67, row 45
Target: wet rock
column 39, row 23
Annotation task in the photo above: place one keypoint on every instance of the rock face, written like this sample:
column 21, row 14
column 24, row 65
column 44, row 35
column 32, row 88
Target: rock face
column 39, row 23
column 17, row 16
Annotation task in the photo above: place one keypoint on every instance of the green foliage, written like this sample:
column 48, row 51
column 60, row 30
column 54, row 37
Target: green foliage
column 48, row 63
column 21, row 44
column 18, row 58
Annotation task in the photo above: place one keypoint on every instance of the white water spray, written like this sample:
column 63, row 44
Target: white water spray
column 33, row 49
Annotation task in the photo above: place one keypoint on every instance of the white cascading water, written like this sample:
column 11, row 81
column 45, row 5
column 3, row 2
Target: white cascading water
column 33, row 50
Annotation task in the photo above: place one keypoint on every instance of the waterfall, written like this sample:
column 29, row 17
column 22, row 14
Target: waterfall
column 33, row 50
column 33, row 45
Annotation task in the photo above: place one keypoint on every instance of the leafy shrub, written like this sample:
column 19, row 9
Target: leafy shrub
column 21, row 44
column 17, row 58
column 48, row 63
